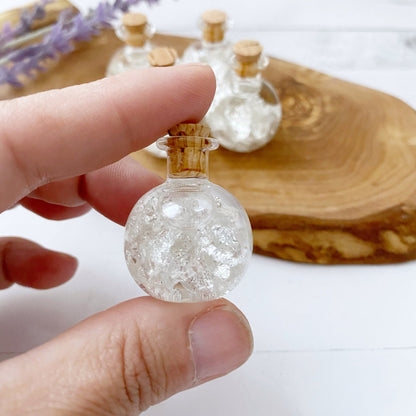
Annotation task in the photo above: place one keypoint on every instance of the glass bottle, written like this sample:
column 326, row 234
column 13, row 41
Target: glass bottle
column 247, row 115
column 135, row 32
column 160, row 57
column 188, row 240
column 212, row 49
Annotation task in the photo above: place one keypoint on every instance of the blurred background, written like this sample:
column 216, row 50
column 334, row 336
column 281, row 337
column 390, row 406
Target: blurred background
column 365, row 41
column 329, row 340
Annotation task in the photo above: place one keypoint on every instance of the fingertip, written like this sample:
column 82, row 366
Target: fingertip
column 202, row 86
column 39, row 268
column 187, row 93
column 49, row 269
column 67, row 264
column 212, row 358
column 204, row 73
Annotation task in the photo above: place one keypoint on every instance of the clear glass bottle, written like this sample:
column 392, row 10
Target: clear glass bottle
column 188, row 240
column 213, row 49
column 160, row 57
column 247, row 114
column 135, row 32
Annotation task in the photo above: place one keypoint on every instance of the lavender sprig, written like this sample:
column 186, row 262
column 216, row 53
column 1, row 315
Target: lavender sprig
column 27, row 18
column 27, row 61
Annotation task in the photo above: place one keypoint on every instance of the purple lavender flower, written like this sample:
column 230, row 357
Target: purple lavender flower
column 27, row 18
column 60, row 40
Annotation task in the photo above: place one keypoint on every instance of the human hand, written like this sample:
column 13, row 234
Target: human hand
column 62, row 152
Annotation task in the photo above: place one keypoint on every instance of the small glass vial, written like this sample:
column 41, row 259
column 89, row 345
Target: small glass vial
column 160, row 57
column 135, row 32
column 212, row 49
column 246, row 116
column 188, row 240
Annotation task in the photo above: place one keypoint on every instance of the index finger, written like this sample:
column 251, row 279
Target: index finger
column 64, row 133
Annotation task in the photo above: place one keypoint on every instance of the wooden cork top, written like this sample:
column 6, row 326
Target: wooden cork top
column 161, row 57
column 214, row 17
column 135, row 25
column 213, row 25
column 188, row 153
column 247, row 53
column 190, row 129
column 134, row 22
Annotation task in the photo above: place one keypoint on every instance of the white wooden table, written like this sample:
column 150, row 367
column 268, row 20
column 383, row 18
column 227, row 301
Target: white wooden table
column 329, row 341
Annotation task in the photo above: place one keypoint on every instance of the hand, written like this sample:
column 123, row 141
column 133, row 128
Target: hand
column 62, row 152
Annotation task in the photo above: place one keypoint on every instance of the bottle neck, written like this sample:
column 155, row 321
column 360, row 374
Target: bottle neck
column 188, row 184
column 214, row 46
column 213, row 33
column 134, row 53
column 187, row 163
column 246, row 85
column 187, row 157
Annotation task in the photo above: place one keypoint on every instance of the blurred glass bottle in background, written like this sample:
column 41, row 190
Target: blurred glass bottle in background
column 135, row 31
column 245, row 114
column 213, row 49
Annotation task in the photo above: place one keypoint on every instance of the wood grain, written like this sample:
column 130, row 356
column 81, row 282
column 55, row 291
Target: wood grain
column 337, row 183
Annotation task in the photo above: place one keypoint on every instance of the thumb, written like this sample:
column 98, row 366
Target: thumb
column 126, row 359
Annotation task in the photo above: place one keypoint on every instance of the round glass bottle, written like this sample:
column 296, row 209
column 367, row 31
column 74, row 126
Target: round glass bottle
column 188, row 240
column 212, row 49
column 158, row 58
column 135, row 32
column 246, row 116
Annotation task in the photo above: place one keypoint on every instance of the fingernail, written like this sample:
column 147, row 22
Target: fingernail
column 221, row 341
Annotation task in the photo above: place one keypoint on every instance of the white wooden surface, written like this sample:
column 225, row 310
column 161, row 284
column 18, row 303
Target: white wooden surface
column 330, row 341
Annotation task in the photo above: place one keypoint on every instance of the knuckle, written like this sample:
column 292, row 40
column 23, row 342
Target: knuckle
column 144, row 374
column 120, row 116
column 25, row 167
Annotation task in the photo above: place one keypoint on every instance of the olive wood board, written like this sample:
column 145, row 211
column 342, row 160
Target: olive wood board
column 337, row 184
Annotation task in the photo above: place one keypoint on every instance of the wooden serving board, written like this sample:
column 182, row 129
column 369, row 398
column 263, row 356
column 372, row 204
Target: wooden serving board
column 336, row 185
column 338, row 182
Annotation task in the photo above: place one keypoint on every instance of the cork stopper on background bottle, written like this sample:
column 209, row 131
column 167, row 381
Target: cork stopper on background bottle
column 214, row 25
column 247, row 55
column 187, row 149
column 135, row 25
column 162, row 57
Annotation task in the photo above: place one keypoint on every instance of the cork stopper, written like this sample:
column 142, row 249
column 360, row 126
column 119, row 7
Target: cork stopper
column 161, row 57
column 247, row 54
column 187, row 148
column 214, row 24
column 135, row 25
column 189, row 129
